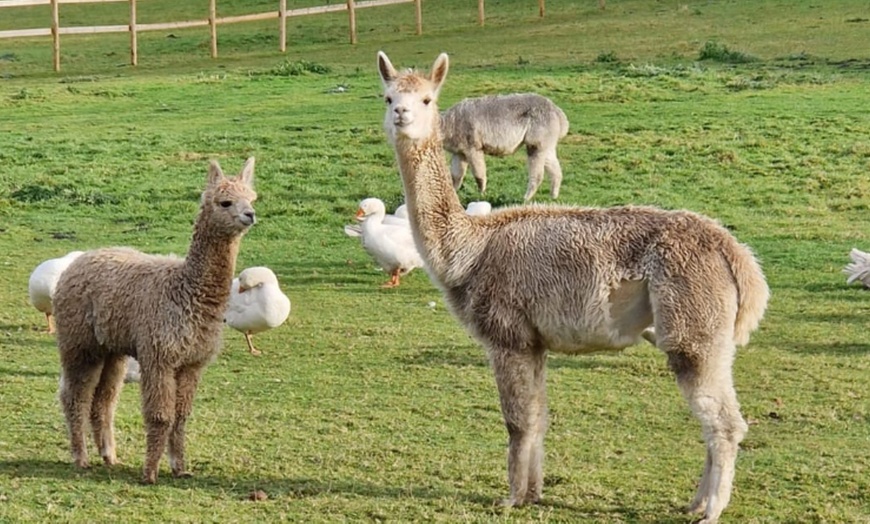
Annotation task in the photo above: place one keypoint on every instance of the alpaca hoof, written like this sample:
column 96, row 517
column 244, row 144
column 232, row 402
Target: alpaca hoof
column 256, row 352
column 695, row 507
column 182, row 474
column 111, row 461
column 82, row 464
column 149, row 478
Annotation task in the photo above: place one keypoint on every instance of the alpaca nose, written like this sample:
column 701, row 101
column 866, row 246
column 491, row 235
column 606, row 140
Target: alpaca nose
column 251, row 216
column 400, row 110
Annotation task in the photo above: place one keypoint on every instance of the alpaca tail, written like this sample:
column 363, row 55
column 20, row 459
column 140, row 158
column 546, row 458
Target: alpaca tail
column 752, row 290
column 563, row 121
column 859, row 268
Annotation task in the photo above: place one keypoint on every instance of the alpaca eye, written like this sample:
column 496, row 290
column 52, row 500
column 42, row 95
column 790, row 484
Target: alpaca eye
column 226, row 203
column 427, row 101
column 388, row 100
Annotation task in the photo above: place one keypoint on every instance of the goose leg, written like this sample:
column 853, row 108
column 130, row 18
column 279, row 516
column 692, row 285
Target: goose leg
column 251, row 348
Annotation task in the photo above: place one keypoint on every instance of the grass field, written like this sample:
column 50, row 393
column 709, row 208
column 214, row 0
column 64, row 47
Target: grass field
column 369, row 405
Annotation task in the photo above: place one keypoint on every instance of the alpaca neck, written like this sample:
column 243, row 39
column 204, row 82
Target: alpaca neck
column 441, row 227
column 209, row 267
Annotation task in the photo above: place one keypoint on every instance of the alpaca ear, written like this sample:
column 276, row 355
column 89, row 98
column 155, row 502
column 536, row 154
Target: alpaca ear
column 385, row 68
column 439, row 71
column 214, row 173
column 247, row 174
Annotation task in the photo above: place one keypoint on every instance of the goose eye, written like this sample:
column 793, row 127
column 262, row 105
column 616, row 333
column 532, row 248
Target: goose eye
column 427, row 101
column 388, row 100
column 226, row 203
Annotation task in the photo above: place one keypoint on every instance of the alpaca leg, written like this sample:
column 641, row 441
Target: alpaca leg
column 708, row 387
column 187, row 380
column 478, row 169
column 536, row 463
column 106, row 396
column 158, row 410
column 458, row 167
column 554, row 169
column 535, row 163
column 77, row 384
column 521, row 382
column 251, row 347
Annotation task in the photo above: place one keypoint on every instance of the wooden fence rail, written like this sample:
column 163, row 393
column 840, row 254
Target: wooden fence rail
column 134, row 28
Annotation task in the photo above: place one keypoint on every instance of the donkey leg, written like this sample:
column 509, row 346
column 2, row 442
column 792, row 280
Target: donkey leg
column 158, row 409
column 187, row 379
column 458, row 167
column 536, row 162
column 521, row 381
column 708, row 386
column 78, row 381
column 478, row 169
column 106, row 397
column 554, row 169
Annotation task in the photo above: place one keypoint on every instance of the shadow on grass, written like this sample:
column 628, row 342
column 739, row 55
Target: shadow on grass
column 434, row 355
column 27, row 373
column 834, row 348
column 243, row 486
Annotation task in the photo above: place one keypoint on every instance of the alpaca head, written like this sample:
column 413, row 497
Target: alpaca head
column 228, row 201
column 411, row 98
column 256, row 277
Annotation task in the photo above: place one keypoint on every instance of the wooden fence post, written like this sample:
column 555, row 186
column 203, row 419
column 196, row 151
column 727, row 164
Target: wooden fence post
column 282, row 28
column 480, row 13
column 55, row 35
column 134, row 41
column 212, row 24
column 419, row 14
column 541, row 8
column 351, row 15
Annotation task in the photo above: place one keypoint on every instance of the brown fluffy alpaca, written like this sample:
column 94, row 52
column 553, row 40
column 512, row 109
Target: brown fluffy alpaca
column 526, row 280
column 167, row 312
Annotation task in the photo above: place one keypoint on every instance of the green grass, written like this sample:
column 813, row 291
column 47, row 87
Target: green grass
column 368, row 405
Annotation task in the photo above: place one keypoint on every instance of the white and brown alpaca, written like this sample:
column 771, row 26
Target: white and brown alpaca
column 525, row 280
column 166, row 312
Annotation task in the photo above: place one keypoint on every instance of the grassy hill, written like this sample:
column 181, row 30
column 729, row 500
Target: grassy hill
column 368, row 404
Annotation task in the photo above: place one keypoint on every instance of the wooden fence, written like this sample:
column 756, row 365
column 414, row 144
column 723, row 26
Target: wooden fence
column 282, row 14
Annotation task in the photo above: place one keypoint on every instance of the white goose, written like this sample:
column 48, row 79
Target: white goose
column 256, row 303
column 478, row 208
column 399, row 218
column 43, row 280
column 391, row 245
column 859, row 268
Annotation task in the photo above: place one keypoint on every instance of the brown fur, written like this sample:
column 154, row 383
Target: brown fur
column 530, row 279
column 166, row 312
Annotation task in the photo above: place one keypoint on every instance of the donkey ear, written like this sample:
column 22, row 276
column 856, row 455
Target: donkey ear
column 214, row 173
column 439, row 71
column 385, row 68
column 247, row 174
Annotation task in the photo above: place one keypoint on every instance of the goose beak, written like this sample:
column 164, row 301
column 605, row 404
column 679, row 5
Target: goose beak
column 242, row 288
column 360, row 214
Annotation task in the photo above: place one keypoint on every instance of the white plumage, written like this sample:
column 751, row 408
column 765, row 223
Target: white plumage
column 478, row 208
column 391, row 245
column 859, row 268
column 256, row 303
column 43, row 282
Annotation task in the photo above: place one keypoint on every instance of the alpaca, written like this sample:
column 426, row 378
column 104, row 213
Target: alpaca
column 498, row 126
column 525, row 280
column 166, row 312
column 43, row 283
column 859, row 268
